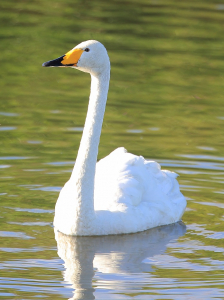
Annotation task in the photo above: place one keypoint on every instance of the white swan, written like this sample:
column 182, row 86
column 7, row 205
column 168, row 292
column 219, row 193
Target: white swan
column 122, row 193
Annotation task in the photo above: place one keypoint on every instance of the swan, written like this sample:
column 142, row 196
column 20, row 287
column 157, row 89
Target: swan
column 122, row 193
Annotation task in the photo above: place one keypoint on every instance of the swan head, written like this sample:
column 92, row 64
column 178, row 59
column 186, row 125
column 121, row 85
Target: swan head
column 89, row 56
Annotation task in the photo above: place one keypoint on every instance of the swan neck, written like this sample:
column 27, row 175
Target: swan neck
column 88, row 150
column 84, row 170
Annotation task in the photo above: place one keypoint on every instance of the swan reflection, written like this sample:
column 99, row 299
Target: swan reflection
column 83, row 256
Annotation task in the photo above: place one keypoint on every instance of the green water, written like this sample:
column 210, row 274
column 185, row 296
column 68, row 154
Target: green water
column 165, row 103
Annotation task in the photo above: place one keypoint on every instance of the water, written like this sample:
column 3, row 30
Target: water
column 165, row 103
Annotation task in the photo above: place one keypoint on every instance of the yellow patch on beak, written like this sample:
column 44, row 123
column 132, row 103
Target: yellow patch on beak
column 72, row 57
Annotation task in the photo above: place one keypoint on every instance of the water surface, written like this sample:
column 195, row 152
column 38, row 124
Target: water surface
column 165, row 103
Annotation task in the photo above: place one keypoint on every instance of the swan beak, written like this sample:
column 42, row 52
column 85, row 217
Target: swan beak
column 70, row 59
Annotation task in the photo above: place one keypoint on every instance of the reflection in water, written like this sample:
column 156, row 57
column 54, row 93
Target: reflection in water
column 111, row 254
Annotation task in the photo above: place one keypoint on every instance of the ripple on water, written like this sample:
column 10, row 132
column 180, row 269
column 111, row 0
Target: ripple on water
column 33, row 210
column 60, row 163
column 5, row 128
column 14, row 157
column 5, row 166
column 34, row 142
column 17, row 250
column 154, row 128
column 32, row 263
column 185, row 164
column 217, row 204
column 31, row 223
column 135, row 130
column 202, row 157
column 8, row 114
column 40, row 288
column 19, row 235
column 39, row 187
column 55, row 111
column 200, row 230
column 206, row 148
column 34, row 170
column 48, row 189
column 78, row 129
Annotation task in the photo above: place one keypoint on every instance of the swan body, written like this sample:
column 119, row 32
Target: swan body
column 122, row 193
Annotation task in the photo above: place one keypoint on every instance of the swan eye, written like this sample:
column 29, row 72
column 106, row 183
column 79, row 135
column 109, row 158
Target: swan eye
column 87, row 50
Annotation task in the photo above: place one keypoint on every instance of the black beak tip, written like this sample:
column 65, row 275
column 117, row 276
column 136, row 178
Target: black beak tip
column 48, row 64
column 54, row 63
column 45, row 64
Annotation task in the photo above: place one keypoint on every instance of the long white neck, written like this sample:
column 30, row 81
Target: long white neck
column 84, row 170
